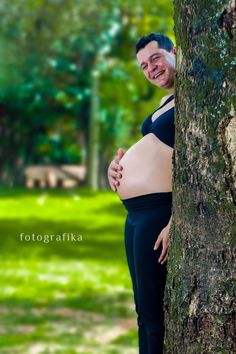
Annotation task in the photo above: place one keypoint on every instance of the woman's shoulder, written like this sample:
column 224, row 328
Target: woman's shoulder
column 165, row 98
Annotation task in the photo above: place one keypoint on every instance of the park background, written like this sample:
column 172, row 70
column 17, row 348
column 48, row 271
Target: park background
column 71, row 94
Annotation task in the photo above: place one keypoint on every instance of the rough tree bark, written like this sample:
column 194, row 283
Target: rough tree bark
column 200, row 292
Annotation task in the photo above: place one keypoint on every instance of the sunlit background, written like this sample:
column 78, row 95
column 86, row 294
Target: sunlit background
column 71, row 94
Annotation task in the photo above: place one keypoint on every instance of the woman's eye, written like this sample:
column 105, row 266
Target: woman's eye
column 144, row 67
column 155, row 58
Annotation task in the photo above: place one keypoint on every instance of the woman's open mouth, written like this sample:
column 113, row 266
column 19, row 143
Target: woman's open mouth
column 158, row 75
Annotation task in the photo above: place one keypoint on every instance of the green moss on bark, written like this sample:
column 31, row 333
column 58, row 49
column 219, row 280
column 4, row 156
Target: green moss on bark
column 200, row 290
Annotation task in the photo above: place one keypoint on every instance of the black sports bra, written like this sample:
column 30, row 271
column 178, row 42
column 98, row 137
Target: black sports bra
column 163, row 127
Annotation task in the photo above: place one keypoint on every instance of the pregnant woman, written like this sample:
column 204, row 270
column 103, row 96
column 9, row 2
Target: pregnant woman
column 145, row 188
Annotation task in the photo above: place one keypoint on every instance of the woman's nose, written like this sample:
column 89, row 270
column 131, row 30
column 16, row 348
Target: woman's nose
column 151, row 67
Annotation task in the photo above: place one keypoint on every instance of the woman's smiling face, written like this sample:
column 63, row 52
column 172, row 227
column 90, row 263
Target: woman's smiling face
column 157, row 64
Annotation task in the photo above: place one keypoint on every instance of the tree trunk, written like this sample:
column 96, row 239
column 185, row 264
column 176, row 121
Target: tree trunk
column 93, row 155
column 199, row 298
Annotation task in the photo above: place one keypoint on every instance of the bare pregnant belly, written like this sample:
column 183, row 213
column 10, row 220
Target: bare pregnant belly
column 147, row 168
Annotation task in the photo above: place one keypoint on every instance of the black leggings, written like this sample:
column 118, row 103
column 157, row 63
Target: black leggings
column 147, row 216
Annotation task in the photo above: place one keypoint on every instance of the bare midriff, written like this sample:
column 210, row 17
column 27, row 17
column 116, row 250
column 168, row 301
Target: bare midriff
column 147, row 167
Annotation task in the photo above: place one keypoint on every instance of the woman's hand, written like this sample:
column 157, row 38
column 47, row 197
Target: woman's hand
column 114, row 169
column 164, row 239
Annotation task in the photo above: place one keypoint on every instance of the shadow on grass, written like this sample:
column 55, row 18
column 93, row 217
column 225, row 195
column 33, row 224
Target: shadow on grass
column 110, row 305
column 70, row 321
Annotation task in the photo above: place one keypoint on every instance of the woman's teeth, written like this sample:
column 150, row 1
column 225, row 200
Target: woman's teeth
column 159, row 74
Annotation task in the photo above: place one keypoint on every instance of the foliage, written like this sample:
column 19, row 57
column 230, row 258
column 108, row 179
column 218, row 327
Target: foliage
column 49, row 51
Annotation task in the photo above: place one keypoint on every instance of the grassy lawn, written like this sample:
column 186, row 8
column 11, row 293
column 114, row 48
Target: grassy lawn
column 64, row 296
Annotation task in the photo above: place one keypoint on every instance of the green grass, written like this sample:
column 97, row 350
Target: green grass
column 64, row 296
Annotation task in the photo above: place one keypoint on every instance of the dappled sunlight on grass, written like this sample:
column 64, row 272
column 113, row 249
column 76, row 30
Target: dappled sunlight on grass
column 64, row 296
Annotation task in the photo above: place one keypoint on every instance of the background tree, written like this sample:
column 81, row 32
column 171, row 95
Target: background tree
column 200, row 308
column 48, row 93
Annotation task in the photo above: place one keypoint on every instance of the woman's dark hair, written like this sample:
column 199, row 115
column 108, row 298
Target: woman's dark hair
column 163, row 41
